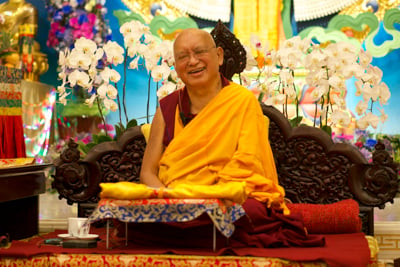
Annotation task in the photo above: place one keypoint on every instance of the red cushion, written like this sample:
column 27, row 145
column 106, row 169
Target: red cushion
column 336, row 218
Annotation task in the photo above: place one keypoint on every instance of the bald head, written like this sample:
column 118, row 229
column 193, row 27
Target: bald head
column 197, row 59
column 190, row 33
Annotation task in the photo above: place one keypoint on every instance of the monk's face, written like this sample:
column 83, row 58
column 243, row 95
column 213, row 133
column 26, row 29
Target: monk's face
column 197, row 60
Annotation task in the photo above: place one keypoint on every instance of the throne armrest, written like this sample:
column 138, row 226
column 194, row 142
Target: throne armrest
column 77, row 180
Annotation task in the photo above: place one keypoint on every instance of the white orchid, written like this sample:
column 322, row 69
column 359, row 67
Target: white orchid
column 78, row 59
column 161, row 72
column 315, row 60
column 251, row 62
column 85, row 46
column 80, row 78
column 384, row 93
column 373, row 120
column 90, row 100
column 362, row 123
column 276, row 100
column 79, row 66
column 317, row 93
column 114, row 52
column 365, row 58
column 166, row 89
column 337, row 83
column 109, row 74
column 110, row 104
column 63, row 98
column 328, row 68
column 361, row 107
column 383, row 117
column 341, row 118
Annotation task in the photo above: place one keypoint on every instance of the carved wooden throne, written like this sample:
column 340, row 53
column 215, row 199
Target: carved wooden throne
column 310, row 167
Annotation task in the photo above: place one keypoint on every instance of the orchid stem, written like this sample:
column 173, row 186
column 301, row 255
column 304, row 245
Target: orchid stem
column 148, row 100
column 124, row 90
column 102, row 116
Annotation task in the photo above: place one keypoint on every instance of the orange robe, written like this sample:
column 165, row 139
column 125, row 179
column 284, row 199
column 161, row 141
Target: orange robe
column 226, row 143
column 223, row 152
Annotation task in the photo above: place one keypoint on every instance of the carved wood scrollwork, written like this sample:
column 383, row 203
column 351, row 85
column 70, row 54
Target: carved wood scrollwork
column 378, row 181
column 313, row 169
column 234, row 53
column 78, row 180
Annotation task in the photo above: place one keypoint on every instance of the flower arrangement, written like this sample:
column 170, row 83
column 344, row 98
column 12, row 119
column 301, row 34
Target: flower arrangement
column 91, row 68
column 327, row 68
column 72, row 19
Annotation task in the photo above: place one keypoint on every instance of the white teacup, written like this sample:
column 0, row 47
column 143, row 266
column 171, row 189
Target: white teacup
column 78, row 226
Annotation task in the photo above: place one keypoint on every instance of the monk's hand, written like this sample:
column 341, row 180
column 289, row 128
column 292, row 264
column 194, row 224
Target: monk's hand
column 227, row 202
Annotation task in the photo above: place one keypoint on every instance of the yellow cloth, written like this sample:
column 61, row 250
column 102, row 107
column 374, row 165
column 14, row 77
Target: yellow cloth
column 226, row 143
column 129, row 190
column 126, row 190
column 262, row 18
column 145, row 129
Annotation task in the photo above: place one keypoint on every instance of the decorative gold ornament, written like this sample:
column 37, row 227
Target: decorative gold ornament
column 19, row 20
column 362, row 6
column 143, row 7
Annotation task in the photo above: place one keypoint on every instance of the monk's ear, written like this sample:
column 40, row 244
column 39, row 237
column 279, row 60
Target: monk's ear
column 220, row 54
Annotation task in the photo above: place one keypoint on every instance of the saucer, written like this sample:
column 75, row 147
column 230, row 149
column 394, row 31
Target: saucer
column 68, row 236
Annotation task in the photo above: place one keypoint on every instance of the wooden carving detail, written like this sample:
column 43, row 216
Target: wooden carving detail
column 234, row 53
column 78, row 180
column 313, row 169
column 378, row 181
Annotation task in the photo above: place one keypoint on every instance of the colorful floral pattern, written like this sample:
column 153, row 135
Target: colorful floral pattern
column 70, row 20
column 155, row 260
column 169, row 210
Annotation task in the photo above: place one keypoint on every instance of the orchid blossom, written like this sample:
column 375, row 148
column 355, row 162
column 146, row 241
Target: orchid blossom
column 79, row 67
column 327, row 68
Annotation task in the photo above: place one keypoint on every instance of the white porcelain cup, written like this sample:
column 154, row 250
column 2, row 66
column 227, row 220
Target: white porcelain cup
column 78, row 226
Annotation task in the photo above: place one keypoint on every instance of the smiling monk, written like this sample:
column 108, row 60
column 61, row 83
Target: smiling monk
column 212, row 132
column 210, row 139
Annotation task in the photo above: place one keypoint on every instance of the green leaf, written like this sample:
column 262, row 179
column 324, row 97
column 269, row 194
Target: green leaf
column 82, row 147
column 103, row 138
column 95, row 138
column 119, row 129
column 261, row 96
column 90, row 146
column 327, row 129
column 296, row 121
column 131, row 123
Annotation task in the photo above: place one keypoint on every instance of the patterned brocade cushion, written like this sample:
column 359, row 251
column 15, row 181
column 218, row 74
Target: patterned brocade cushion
column 336, row 218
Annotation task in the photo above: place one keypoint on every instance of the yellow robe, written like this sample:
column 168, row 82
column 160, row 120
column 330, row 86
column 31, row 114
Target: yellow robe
column 226, row 142
column 223, row 152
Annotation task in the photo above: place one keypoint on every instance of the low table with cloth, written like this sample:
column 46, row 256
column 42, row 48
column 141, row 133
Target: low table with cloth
column 331, row 186
column 168, row 210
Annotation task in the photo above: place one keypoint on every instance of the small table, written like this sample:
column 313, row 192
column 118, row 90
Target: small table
column 20, row 187
column 168, row 210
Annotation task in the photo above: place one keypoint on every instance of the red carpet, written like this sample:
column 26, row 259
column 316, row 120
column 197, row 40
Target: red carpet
column 340, row 249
